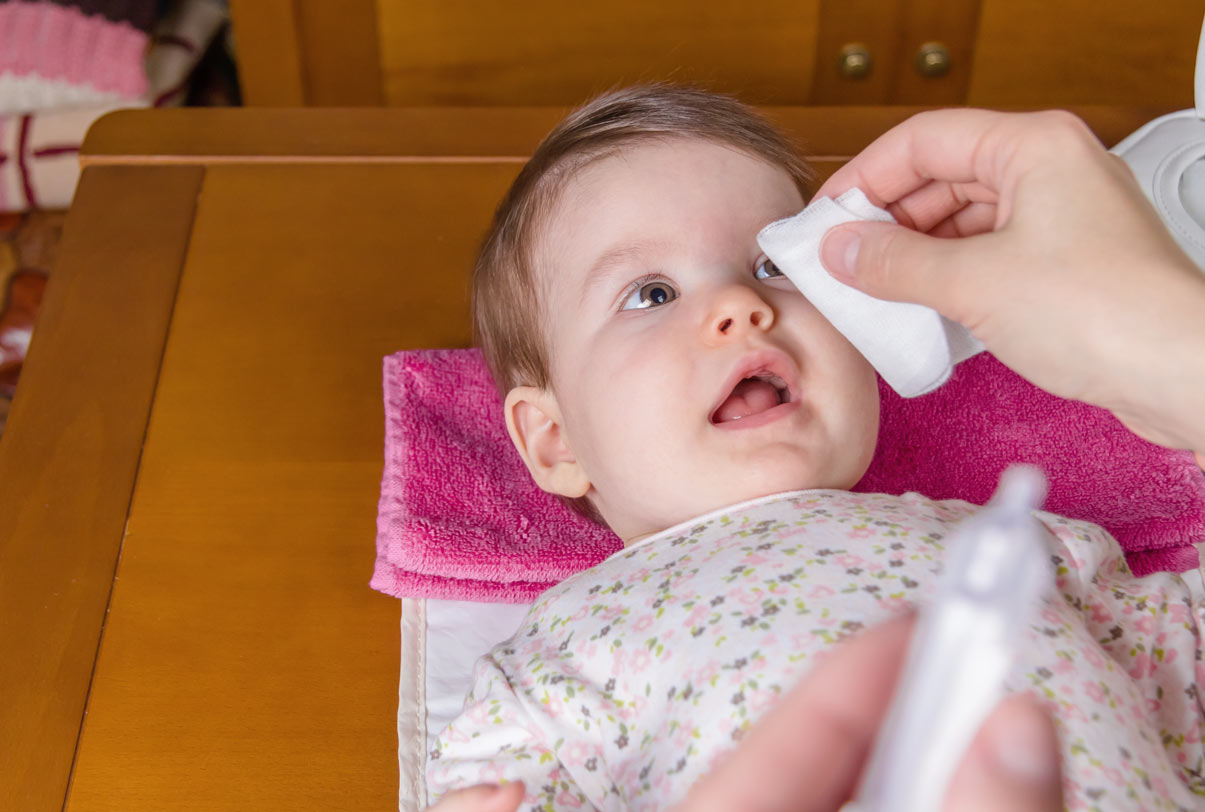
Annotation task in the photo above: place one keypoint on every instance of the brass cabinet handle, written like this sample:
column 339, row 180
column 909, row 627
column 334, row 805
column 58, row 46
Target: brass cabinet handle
column 933, row 59
column 854, row 61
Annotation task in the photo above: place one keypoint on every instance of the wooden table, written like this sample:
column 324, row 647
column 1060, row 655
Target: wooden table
column 189, row 478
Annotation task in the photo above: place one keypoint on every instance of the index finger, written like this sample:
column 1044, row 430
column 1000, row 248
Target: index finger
column 957, row 146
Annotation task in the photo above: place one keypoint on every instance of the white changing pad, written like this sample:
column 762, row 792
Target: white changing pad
column 441, row 640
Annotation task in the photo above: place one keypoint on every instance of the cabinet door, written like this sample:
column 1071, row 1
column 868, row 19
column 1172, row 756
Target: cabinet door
column 548, row 52
column 893, row 34
column 1059, row 52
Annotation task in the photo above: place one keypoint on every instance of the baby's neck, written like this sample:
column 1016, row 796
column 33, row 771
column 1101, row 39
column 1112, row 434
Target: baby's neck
column 630, row 541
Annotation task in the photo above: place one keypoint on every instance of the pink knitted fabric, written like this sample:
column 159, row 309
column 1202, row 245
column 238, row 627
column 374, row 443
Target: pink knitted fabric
column 461, row 518
column 60, row 42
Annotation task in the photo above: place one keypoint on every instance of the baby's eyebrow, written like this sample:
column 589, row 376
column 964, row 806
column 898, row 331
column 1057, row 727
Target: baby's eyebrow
column 610, row 261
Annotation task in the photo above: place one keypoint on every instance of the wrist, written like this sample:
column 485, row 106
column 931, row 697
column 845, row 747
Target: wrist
column 1165, row 390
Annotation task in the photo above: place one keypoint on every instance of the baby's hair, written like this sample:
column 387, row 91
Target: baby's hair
column 506, row 300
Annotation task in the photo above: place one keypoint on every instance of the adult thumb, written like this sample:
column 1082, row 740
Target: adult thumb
column 1013, row 764
column 896, row 263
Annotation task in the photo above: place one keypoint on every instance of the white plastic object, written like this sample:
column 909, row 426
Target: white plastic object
column 996, row 575
column 1167, row 156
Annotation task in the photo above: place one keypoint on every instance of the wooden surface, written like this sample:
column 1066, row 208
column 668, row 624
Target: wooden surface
column 244, row 663
column 69, row 457
column 830, row 135
column 243, row 643
column 954, row 24
column 547, row 52
column 307, row 52
column 270, row 53
column 224, row 135
column 1086, row 51
column 892, row 32
column 342, row 59
column 461, row 52
column 425, row 134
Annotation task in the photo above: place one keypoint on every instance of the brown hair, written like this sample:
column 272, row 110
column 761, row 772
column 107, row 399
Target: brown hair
column 506, row 304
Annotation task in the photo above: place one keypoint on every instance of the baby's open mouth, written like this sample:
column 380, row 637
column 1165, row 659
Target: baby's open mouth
column 753, row 395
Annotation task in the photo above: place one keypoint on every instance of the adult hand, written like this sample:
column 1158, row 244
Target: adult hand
column 482, row 798
column 1064, row 271
column 808, row 752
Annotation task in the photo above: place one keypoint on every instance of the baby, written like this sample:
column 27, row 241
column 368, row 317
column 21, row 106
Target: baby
column 662, row 375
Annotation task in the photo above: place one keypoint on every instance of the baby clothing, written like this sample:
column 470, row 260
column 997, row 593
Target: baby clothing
column 914, row 348
column 628, row 681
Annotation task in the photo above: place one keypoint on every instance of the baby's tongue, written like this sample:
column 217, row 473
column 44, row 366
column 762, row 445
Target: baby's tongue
column 749, row 397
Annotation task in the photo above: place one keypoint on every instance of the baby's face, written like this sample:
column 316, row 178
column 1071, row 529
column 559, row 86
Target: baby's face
column 688, row 375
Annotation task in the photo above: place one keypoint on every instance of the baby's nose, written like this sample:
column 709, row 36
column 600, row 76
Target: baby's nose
column 736, row 311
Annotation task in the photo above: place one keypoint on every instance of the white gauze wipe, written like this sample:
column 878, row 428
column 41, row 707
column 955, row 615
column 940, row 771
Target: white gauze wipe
column 912, row 346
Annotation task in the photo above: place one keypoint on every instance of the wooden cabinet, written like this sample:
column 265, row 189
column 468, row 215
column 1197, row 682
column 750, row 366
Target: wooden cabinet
column 1058, row 52
column 780, row 52
column 553, row 53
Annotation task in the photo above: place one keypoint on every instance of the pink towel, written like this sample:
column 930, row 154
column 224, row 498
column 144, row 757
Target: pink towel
column 955, row 442
column 461, row 518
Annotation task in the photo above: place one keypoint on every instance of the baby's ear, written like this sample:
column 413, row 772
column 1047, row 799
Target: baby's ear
column 534, row 421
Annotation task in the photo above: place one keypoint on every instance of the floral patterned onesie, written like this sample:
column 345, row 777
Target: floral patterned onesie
column 628, row 681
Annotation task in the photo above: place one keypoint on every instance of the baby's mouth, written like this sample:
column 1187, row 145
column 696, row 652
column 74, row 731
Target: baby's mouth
column 753, row 395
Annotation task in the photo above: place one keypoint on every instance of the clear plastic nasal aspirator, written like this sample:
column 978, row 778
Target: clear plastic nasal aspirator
column 996, row 574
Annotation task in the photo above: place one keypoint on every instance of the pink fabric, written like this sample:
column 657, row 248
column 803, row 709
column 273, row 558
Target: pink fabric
column 955, row 442
column 58, row 42
column 460, row 517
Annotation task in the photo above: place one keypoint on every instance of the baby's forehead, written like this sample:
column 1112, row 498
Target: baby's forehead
column 587, row 197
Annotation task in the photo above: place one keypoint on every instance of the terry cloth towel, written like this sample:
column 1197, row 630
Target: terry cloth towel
column 912, row 347
column 955, row 443
column 461, row 518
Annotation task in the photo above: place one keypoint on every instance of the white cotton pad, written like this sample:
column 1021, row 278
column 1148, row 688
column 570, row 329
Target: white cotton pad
column 913, row 347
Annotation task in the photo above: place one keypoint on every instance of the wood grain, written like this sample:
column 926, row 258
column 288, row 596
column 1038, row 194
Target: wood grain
column 1086, row 52
column 238, row 134
column 69, row 456
column 869, row 23
column 339, row 52
column 409, row 135
column 954, row 24
column 246, row 663
column 464, row 52
column 270, row 58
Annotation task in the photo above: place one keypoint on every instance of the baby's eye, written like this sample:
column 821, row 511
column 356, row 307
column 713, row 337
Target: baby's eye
column 767, row 270
column 651, row 294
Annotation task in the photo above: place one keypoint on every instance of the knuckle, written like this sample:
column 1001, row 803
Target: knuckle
column 878, row 258
column 1063, row 131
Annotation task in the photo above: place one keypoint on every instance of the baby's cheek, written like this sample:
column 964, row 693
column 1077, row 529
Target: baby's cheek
column 857, row 420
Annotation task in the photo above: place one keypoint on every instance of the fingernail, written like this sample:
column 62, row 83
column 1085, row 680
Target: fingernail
column 1022, row 747
column 839, row 251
